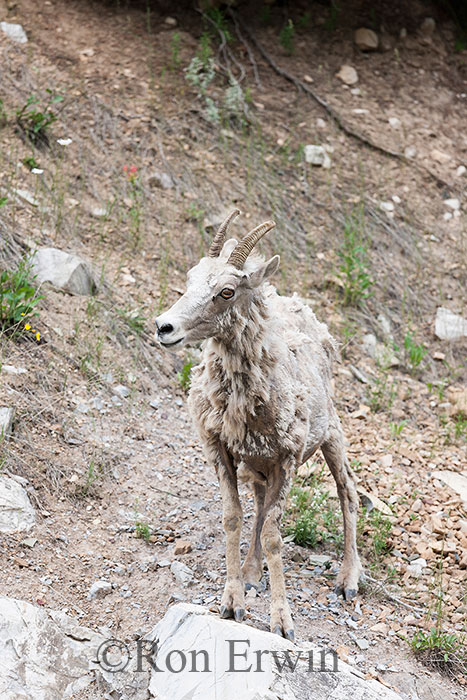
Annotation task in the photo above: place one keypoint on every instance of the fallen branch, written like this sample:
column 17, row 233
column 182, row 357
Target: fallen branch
column 393, row 597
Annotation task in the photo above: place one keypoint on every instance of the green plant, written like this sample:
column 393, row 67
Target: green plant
column 414, row 353
column 216, row 17
column 18, row 297
column 460, row 427
column 443, row 650
column 382, row 391
column 397, row 428
column 353, row 268
column 312, row 516
column 175, row 50
column 374, row 533
column 30, row 162
column 3, row 201
column 333, row 18
column 143, row 530
column 34, row 119
column 133, row 319
column 286, row 37
column 184, row 377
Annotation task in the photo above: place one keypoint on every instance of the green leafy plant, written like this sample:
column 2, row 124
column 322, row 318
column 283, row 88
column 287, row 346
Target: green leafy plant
column 353, row 268
column 3, row 115
column 30, row 162
column 3, row 201
column 18, row 297
column 443, row 650
column 414, row 352
column 397, row 428
column 133, row 319
column 374, row 534
column 143, row 530
column 184, row 377
column 34, row 118
column 333, row 18
column 135, row 196
column 215, row 17
column 286, row 37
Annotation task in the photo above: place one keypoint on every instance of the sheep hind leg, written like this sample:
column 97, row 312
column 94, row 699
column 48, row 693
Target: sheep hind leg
column 271, row 540
column 233, row 597
column 351, row 568
column 253, row 565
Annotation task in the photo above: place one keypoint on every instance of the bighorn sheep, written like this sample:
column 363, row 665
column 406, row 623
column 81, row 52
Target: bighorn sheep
column 261, row 400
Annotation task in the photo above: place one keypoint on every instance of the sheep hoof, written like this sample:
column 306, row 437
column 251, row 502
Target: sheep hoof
column 226, row 612
column 277, row 630
column 350, row 593
column 239, row 614
column 290, row 635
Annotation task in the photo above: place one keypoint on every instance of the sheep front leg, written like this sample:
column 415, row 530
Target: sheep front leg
column 351, row 568
column 276, row 494
column 233, row 598
column 253, row 565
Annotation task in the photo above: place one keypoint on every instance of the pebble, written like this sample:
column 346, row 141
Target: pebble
column 183, row 574
column 15, row 32
column 394, row 122
column 182, row 547
column 362, row 644
column 428, row 26
column 410, row 151
column 452, row 203
column 122, row 391
column 348, row 75
column 7, row 416
column 461, row 170
column 99, row 589
column 366, row 39
column 317, row 155
column 387, row 206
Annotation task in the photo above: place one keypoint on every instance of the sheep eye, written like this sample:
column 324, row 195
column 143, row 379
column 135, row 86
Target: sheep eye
column 227, row 293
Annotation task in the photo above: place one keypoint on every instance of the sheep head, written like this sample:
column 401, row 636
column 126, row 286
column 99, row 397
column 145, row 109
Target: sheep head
column 223, row 280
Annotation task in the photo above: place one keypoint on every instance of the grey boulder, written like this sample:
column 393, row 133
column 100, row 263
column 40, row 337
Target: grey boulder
column 63, row 270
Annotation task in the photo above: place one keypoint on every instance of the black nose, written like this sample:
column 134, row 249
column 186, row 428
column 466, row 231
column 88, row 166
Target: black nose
column 165, row 328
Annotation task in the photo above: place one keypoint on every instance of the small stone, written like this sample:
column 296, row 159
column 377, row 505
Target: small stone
column 319, row 559
column 321, row 124
column 99, row 212
column 428, row 26
column 7, row 416
column 163, row 563
column 440, row 156
column 348, row 75
column 306, row 470
column 417, row 505
column 449, row 326
column 317, row 155
column 380, row 628
column 362, row 644
column 161, row 179
column 122, row 391
column 387, row 206
column 171, row 21
column 386, row 461
column 182, row 547
column 394, row 122
column 366, row 39
column 9, row 369
column 29, row 542
column 440, row 356
column 99, row 589
column 183, row 574
column 26, row 196
column 461, row 170
column 15, row 32
column 410, row 151
column 308, row 79
column 452, row 203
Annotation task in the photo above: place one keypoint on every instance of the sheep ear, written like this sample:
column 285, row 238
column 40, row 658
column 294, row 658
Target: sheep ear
column 266, row 270
column 228, row 247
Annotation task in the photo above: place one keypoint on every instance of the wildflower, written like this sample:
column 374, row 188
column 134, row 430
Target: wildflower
column 27, row 326
column 37, row 171
column 133, row 169
column 64, row 142
column 22, row 313
column 38, row 336
column 125, row 168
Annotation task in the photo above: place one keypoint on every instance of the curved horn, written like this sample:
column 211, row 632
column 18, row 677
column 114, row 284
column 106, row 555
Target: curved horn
column 246, row 245
column 218, row 240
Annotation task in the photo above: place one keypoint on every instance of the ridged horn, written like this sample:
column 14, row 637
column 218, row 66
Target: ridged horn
column 246, row 245
column 219, row 238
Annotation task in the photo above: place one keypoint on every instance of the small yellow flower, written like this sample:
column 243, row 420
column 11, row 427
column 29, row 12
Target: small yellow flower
column 23, row 314
column 33, row 330
column 38, row 335
column 27, row 326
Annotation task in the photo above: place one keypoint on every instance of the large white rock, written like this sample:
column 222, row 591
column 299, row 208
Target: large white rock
column 317, row 155
column 15, row 32
column 47, row 655
column 65, row 271
column 187, row 631
column 16, row 511
column 449, row 326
